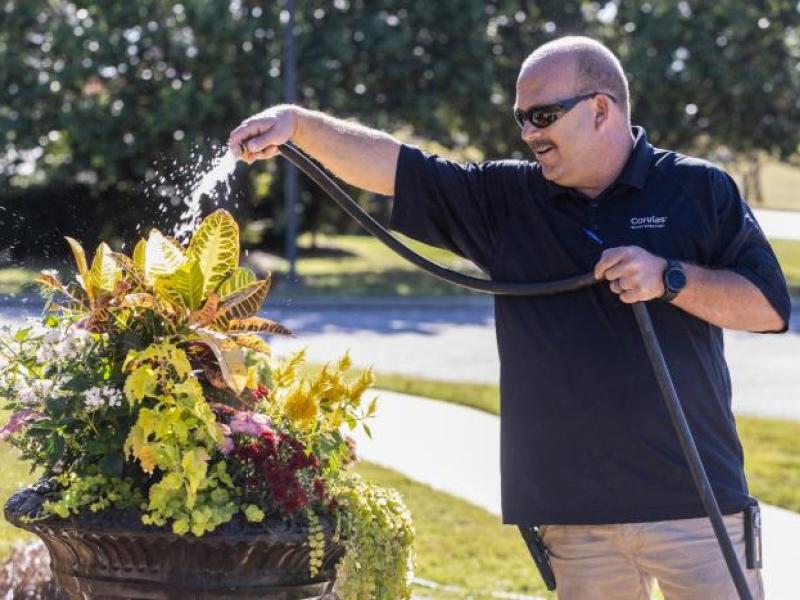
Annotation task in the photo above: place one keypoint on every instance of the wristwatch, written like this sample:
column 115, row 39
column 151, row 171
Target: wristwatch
column 674, row 280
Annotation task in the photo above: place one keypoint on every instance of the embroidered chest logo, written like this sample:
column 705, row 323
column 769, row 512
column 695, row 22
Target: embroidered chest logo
column 651, row 222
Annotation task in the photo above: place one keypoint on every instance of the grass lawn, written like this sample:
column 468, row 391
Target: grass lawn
column 14, row 280
column 358, row 265
column 771, row 446
column 788, row 253
column 780, row 182
column 15, row 475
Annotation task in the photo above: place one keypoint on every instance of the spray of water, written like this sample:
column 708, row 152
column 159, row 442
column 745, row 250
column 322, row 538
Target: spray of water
column 190, row 185
column 207, row 184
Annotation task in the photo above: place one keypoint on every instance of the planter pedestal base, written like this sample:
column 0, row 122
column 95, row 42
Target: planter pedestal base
column 111, row 555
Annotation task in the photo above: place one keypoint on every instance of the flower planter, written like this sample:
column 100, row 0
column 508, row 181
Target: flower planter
column 110, row 554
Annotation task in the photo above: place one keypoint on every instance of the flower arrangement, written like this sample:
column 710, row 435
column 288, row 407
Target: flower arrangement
column 147, row 386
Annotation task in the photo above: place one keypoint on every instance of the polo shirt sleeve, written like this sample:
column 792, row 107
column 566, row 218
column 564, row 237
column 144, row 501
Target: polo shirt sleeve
column 742, row 247
column 446, row 204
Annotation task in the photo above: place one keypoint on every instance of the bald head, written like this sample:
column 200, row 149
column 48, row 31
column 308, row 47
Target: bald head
column 593, row 66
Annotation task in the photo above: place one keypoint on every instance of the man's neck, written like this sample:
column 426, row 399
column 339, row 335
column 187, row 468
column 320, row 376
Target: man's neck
column 619, row 151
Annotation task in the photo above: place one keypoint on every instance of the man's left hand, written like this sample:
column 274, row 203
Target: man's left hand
column 634, row 273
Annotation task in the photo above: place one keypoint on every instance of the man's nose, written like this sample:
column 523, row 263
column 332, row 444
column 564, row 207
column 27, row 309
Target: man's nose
column 530, row 132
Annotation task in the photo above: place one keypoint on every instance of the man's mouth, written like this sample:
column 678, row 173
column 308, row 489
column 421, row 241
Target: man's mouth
column 542, row 150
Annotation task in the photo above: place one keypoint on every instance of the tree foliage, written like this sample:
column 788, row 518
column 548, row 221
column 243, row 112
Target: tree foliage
column 94, row 92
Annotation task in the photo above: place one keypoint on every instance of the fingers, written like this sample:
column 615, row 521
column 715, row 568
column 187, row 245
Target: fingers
column 247, row 133
column 635, row 275
column 628, row 289
column 268, row 152
column 609, row 259
column 259, row 142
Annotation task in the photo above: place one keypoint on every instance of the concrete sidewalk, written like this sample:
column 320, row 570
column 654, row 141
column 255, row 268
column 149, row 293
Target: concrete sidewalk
column 779, row 224
column 457, row 450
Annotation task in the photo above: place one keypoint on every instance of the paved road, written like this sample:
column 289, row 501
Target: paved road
column 459, row 344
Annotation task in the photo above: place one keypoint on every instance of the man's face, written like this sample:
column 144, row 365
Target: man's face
column 563, row 149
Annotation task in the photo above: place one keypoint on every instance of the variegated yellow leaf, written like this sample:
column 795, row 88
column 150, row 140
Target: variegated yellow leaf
column 257, row 325
column 79, row 254
column 184, row 287
column 105, row 271
column 207, row 314
column 215, row 245
column 229, row 356
column 161, row 257
column 253, row 342
column 140, row 300
column 129, row 267
column 236, row 281
column 83, row 276
column 244, row 303
column 138, row 255
column 49, row 281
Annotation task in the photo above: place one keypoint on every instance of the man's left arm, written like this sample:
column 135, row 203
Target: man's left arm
column 719, row 296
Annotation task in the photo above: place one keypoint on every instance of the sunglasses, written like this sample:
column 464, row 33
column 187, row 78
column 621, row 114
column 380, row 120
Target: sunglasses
column 544, row 116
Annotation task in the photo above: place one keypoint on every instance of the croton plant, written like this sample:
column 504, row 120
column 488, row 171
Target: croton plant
column 147, row 385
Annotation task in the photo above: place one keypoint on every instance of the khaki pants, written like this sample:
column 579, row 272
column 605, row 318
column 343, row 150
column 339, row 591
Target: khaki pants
column 622, row 562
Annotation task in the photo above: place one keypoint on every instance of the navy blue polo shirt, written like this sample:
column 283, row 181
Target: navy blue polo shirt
column 585, row 436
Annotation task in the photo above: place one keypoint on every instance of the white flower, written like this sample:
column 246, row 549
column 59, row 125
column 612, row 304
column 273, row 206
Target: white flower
column 46, row 353
column 36, row 391
column 97, row 397
column 53, row 336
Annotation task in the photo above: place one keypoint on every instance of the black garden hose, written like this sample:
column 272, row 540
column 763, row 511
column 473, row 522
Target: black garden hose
column 305, row 164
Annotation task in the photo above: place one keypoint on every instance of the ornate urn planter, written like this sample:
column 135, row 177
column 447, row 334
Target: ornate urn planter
column 110, row 554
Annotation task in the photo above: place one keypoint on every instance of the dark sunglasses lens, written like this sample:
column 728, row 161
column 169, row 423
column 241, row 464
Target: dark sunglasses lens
column 543, row 119
column 538, row 118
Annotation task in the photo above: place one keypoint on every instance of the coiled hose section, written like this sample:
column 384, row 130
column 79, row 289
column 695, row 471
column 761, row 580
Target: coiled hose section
column 656, row 356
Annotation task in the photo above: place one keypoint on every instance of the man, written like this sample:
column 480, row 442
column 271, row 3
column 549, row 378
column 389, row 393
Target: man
column 588, row 452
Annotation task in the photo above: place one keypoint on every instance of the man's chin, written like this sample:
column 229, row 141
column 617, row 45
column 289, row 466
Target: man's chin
column 551, row 173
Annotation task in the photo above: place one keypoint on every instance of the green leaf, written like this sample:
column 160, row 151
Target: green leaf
column 111, row 465
column 140, row 383
column 184, row 286
column 253, row 513
column 138, row 255
column 194, row 465
column 215, row 245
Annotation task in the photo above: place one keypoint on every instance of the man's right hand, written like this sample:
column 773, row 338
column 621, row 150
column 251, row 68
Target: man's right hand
column 259, row 136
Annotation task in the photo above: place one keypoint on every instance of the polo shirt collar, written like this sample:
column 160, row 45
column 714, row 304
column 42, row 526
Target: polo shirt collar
column 634, row 173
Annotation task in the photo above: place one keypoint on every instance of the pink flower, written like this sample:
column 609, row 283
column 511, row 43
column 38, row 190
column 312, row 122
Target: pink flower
column 249, row 423
column 227, row 446
column 17, row 421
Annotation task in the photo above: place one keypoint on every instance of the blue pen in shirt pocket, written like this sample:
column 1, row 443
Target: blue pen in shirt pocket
column 592, row 236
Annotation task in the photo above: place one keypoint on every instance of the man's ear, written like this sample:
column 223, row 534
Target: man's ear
column 601, row 109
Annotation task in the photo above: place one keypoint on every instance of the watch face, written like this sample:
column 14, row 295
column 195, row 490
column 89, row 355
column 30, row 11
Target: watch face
column 676, row 280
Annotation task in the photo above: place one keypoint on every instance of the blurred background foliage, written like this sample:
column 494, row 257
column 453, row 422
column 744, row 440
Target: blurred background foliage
column 99, row 99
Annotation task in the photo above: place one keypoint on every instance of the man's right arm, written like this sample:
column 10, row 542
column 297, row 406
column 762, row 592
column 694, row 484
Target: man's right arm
column 363, row 157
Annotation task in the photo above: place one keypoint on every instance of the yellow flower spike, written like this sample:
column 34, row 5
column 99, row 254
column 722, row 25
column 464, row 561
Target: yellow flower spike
column 252, row 378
